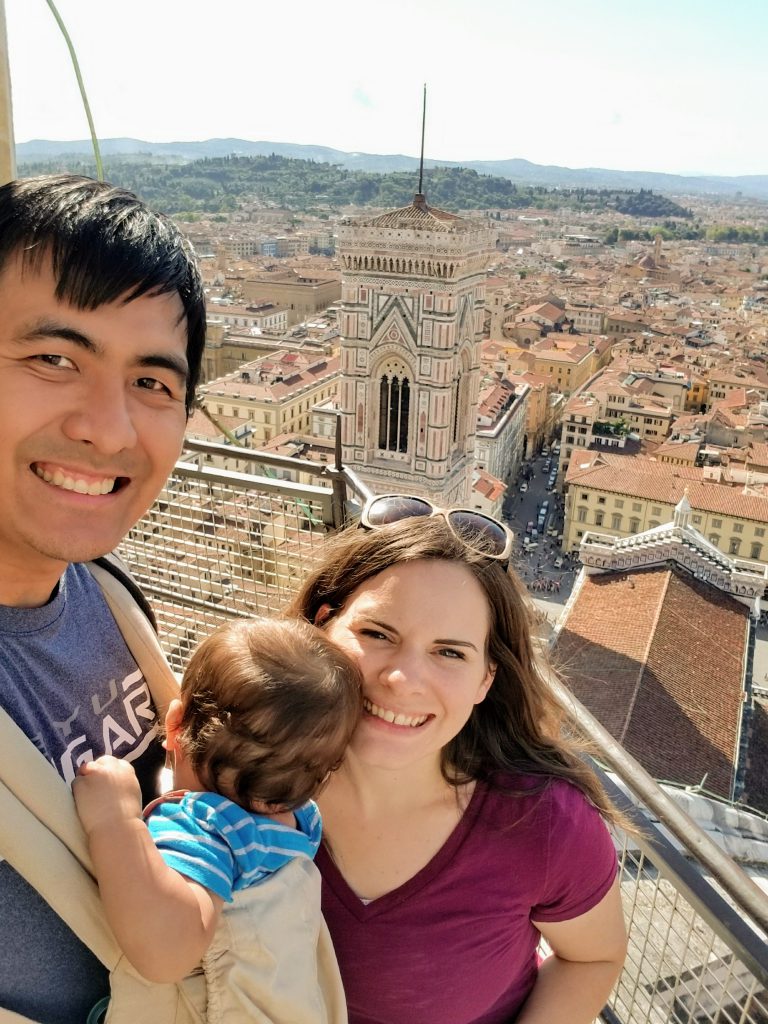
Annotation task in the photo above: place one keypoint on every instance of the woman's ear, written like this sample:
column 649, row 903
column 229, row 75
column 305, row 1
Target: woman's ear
column 485, row 685
column 173, row 717
column 323, row 613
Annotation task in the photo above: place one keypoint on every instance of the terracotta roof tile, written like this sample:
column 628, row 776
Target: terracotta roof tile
column 658, row 657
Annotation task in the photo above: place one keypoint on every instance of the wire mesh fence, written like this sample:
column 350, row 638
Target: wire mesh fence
column 679, row 968
column 219, row 545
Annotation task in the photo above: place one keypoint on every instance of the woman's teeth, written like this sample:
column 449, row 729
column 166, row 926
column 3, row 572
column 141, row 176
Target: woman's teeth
column 390, row 716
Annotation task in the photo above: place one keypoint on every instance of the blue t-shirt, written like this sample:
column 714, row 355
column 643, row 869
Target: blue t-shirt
column 70, row 683
column 213, row 841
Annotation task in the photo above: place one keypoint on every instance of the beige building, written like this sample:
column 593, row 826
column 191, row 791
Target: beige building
column 567, row 359
column 272, row 395
column 619, row 404
column 623, row 495
column 723, row 383
column 304, row 294
column 542, row 409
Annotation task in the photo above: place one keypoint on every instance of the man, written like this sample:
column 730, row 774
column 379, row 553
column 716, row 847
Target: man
column 101, row 338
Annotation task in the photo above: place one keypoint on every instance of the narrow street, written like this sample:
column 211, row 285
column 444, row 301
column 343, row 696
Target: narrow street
column 548, row 584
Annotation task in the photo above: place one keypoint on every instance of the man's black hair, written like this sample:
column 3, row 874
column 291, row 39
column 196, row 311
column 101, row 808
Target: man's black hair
column 104, row 244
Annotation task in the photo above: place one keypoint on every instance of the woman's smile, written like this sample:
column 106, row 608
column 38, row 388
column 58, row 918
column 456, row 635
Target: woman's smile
column 393, row 717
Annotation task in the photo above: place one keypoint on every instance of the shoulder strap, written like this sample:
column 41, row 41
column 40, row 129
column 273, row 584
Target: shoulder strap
column 116, row 567
column 139, row 636
column 43, row 840
column 41, row 835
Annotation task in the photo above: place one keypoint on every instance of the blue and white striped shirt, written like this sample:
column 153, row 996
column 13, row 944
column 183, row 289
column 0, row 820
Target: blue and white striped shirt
column 211, row 840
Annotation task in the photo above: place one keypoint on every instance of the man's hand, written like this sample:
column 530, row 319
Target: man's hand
column 107, row 793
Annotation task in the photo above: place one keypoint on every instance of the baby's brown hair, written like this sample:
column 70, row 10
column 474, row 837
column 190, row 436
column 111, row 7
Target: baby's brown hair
column 269, row 707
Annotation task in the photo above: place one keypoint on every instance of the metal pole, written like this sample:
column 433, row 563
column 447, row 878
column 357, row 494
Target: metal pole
column 7, row 146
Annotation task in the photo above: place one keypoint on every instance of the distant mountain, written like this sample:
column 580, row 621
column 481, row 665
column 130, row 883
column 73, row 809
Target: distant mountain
column 520, row 171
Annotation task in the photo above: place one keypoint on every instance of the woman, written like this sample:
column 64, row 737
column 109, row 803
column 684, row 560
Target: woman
column 461, row 826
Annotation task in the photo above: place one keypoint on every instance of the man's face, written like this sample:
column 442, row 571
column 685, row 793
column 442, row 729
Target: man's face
column 92, row 419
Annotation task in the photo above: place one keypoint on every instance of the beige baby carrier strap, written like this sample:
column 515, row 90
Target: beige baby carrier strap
column 43, row 840
column 41, row 836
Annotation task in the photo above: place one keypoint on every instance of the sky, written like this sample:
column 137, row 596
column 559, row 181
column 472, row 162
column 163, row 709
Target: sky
column 663, row 85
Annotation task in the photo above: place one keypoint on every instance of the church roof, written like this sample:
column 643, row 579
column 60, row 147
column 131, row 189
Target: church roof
column 419, row 215
column 657, row 656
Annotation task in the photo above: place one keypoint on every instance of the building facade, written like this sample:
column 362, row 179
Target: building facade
column 623, row 495
column 412, row 311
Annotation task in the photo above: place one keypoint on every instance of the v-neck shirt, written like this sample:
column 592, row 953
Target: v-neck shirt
column 455, row 943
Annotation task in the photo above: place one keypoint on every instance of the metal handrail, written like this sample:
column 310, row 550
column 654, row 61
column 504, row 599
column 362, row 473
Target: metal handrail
column 734, row 881
column 723, row 919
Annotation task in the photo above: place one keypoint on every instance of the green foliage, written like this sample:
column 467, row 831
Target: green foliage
column 220, row 185
column 731, row 234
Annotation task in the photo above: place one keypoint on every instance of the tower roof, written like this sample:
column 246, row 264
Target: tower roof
column 420, row 215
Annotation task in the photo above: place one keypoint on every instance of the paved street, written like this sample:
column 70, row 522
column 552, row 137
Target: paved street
column 548, row 585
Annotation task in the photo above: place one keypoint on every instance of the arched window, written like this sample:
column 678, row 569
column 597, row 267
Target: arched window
column 394, row 410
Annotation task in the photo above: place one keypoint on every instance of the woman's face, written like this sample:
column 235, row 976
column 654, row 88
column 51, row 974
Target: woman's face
column 419, row 632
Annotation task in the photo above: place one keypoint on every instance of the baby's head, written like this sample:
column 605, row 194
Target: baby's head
column 267, row 709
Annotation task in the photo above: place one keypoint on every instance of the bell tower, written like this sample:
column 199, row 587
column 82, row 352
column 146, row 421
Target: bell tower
column 412, row 305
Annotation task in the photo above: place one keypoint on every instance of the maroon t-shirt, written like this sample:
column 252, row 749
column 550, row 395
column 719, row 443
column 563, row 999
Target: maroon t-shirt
column 455, row 943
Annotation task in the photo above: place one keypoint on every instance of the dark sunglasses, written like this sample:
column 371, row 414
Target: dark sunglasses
column 479, row 532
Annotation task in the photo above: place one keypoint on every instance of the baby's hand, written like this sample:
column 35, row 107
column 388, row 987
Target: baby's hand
column 106, row 793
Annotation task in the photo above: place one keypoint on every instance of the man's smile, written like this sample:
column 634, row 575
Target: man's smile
column 77, row 480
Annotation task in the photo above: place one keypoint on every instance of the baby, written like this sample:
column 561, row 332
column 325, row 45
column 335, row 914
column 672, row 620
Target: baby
column 217, row 876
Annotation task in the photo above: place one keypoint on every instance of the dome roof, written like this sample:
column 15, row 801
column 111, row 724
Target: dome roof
column 420, row 216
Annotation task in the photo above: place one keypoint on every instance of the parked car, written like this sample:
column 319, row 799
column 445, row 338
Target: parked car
column 523, row 487
column 530, row 525
column 558, row 563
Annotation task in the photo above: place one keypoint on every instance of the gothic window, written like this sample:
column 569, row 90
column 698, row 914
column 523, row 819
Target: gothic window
column 394, row 409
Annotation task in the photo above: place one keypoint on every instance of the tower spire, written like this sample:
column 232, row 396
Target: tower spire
column 419, row 199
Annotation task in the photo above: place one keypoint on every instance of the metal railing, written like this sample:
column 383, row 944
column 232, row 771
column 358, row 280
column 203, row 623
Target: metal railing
column 219, row 544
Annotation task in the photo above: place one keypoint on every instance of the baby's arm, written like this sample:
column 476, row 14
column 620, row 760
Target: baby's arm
column 163, row 921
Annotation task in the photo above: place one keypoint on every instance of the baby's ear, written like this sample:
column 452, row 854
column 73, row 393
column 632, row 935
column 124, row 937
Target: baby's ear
column 173, row 717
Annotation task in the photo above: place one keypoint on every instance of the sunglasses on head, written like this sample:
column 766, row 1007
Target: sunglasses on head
column 479, row 532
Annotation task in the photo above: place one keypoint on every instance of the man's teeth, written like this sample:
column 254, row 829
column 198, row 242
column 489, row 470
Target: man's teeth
column 69, row 483
column 390, row 716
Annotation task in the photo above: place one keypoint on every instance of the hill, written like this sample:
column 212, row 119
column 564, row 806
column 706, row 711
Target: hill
column 516, row 170
column 219, row 185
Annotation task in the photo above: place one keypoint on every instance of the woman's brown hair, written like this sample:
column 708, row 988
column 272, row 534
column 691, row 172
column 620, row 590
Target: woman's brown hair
column 269, row 707
column 520, row 726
